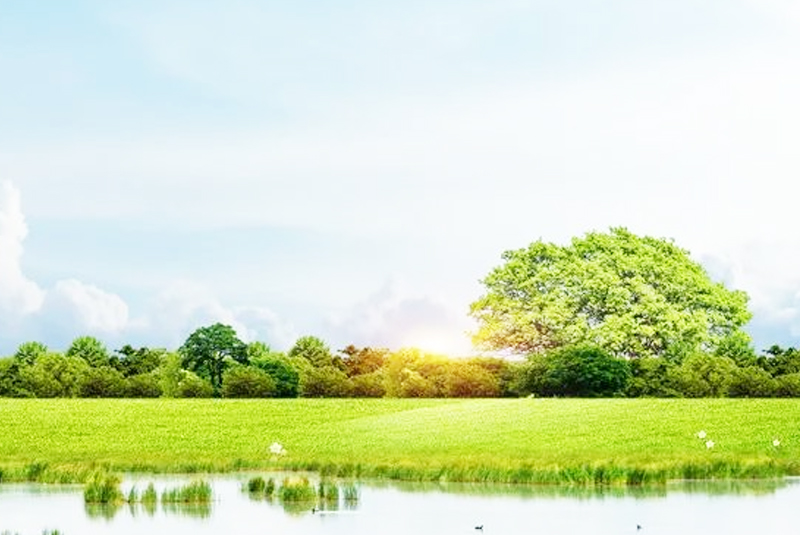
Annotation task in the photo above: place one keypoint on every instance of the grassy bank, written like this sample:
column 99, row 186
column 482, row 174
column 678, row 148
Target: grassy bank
column 518, row 440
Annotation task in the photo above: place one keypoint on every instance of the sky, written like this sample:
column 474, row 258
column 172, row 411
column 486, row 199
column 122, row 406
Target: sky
column 351, row 170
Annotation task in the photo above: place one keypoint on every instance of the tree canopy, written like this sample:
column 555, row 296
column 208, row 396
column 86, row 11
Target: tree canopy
column 632, row 296
column 208, row 349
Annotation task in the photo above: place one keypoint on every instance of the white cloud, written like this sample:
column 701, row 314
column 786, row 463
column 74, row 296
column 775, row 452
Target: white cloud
column 84, row 307
column 185, row 306
column 19, row 296
column 396, row 317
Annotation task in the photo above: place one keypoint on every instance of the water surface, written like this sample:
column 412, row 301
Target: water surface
column 729, row 508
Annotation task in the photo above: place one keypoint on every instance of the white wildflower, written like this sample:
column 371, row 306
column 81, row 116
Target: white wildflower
column 709, row 444
column 701, row 435
column 776, row 443
column 277, row 449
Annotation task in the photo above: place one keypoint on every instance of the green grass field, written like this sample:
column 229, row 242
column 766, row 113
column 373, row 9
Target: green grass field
column 514, row 440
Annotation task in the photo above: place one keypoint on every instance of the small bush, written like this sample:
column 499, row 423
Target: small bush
column 247, row 382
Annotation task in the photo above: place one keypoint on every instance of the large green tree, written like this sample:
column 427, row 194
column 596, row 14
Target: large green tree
column 633, row 296
column 208, row 350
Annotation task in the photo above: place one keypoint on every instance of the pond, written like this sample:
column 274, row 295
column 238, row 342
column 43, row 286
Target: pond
column 394, row 508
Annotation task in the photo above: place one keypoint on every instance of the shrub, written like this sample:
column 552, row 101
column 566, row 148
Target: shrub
column 584, row 371
column 143, row 385
column 788, row 385
column 751, row 382
column 286, row 378
column 192, row 386
column 247, row 382
column 102, row 382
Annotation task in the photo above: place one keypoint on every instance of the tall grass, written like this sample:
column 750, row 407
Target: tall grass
column 579, row 442
column 198, row 491
column 103, row 488
column 296, row 490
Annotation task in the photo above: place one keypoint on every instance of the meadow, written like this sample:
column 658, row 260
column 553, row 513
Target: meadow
column 530, row 440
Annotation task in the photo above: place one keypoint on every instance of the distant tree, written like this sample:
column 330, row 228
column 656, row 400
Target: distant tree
column 283, row 374
column 102, row 382
column 324, row 382
column 315, row 351
column 703, row 375
column 144, row 385
column 652, row 377
column 360, row 361
column 403, row 378
column 208, row 350
column 632, row 296
column 169, row 375
column 91, row 350
column 584, row 371
column 28, row 352
column 132, row 361
column 11, row 384
column 194, row 386
column 780, row 361
column 247, row 382
column 788, row 386
column 368, row 385
column 751, row 382
column 465, row 379
column 54, row 375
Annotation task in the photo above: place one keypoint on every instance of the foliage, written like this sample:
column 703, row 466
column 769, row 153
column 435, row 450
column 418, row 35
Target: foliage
column 193, row 386
column 143, row 385
column 247, row 382
column 137, row 361
column 313, row 350
column 583, row 371
column 751, row 382
column 28, row 352
column 208, row 350
column 170, row 374
column 102, row 382
column 702, row 375
column 324, row 382
column 280, row 369
column 368, row 385
column 364, row 360
column 54, row 375
column 633, row 296
column 11, row 384
column 652, row 377
column 90, row 349
column 788, row 386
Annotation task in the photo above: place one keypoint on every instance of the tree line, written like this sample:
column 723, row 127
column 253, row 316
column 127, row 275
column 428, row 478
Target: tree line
column 609, row 314
column 214, row 362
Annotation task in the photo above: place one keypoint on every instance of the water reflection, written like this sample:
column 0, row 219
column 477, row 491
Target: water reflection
column 394, row 508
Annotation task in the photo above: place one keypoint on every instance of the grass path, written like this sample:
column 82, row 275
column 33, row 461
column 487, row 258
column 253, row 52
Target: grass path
column 553, row 440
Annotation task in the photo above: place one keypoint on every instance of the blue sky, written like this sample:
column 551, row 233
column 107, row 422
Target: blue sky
column 351, row 170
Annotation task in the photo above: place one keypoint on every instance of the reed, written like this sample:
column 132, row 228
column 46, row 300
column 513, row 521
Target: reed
column 296, row 490
column 102, row 488
column 197, row 491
